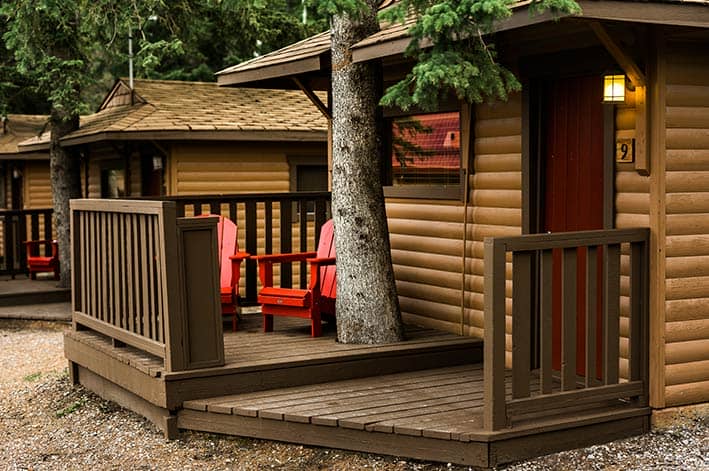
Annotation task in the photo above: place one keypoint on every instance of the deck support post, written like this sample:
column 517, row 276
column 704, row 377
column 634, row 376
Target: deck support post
column 494, row 411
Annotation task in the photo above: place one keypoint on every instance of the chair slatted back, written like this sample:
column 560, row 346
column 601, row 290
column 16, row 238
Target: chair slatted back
column 227, row 233
column 326, row 248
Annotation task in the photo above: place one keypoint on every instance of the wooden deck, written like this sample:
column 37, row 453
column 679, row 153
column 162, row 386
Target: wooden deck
column 21, row 290
column 422, row 398
column 434, row 414
column 256, row 361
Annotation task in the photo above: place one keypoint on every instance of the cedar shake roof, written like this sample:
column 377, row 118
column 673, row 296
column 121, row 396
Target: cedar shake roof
column 174, row 110
column 312, row 55
column 17, row 128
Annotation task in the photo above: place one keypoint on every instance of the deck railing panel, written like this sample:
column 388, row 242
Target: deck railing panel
column 142, row 279
column 561, row 384
column 268, row 222
column 17, row 226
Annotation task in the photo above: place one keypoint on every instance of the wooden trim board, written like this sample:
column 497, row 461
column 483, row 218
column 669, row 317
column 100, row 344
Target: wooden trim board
column 473, row 453
column 149, row 388
column 108, row 390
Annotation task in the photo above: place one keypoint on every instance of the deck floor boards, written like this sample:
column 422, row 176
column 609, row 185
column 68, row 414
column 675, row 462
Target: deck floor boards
column 440, row 403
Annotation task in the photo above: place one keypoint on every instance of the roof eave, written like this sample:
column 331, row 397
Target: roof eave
column 216, row 135
column 280, row 70
column 24, row 156
column 675, row 14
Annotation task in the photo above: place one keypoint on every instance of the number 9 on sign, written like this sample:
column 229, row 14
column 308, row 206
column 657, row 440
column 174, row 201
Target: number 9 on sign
column 625, row 150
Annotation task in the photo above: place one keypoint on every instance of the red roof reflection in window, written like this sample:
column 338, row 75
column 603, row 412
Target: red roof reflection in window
column 427, row 141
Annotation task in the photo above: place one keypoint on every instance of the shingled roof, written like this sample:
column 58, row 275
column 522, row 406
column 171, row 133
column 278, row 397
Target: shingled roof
column 17, row 128
column 311, row 55
column 173, row 110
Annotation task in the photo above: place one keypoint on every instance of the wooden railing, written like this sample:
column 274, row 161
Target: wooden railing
column 147, row 279
column 547, row 374
column 262, row 217
column 17, row 226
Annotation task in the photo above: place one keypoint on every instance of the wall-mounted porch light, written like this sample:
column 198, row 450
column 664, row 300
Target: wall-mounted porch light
column 613, row 88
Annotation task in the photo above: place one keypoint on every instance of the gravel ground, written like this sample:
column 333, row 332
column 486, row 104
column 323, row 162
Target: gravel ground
column 45, row 423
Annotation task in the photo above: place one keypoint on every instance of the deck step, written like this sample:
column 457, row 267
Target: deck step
column 433, row 414
column 22, row 291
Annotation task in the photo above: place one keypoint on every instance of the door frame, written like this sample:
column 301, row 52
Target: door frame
column 534, row 71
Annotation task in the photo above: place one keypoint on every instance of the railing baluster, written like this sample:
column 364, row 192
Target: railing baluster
column 521, row 322
column 591, row 313
column 636, row 310
column 611, row 314
column 568, row 319
column 268, row 227
column 303, row 227
column 47, row 225
column 286, row 242
column 145, row 276
column 545, row 313
column 320, row 217
column 251, row 247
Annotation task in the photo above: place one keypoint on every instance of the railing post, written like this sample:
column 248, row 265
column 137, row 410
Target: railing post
column 174, row 322
column 494, row 413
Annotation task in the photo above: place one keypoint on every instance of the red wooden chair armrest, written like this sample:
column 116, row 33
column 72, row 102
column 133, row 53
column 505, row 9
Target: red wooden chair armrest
column 322, row 261
column 284, row 257
column 239, row 256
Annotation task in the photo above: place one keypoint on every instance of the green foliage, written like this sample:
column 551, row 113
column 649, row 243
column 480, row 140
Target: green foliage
column 33, row 377
column 71, row 51
column 452, row 53
column 329, row 8
column 71, row 408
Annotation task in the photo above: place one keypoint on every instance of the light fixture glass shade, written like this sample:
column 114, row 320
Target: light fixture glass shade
column 613, row 88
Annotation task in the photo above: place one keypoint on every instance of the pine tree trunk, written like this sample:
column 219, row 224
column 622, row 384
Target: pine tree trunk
column 367, row 304
column 66, row 184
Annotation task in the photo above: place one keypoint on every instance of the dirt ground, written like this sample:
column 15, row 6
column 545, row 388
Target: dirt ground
column 45, row 423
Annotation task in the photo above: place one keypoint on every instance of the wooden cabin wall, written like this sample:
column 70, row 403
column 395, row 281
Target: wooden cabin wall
column 687, row 224
column 37, row 186
column 240, row 167
column 495, row 199
column 632, row 209
column 37, row 190
column 426, row 247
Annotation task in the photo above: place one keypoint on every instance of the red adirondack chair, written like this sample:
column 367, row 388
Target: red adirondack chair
column 37, row 263
column 229, row 267
column 312, row 303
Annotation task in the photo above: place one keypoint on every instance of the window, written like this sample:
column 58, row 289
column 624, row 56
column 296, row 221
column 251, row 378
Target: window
column 426, row 155
column 113, row 183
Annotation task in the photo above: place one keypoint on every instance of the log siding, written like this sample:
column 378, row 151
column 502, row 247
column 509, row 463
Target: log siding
column 687, row 226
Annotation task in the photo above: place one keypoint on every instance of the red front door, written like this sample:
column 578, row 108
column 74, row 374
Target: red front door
column 573, row 184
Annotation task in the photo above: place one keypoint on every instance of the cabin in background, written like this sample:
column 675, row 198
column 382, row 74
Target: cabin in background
column 175, row 139
column 25, row 190
column 193, row 138
column 24, row 176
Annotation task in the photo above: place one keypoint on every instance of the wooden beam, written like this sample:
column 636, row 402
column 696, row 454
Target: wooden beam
column 638, row 79
column 314, row 98
column 631, row 69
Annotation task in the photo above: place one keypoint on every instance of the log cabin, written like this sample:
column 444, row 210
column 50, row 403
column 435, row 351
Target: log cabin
column 175, row 139
column 560, row 264
column 635, row 162
column 25, row 189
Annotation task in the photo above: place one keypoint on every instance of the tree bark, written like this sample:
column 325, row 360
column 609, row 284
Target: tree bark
column 367, row 303
column 66, row 184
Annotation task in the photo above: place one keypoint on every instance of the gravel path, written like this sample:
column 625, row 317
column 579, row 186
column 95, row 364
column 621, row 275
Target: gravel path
column 45, row 423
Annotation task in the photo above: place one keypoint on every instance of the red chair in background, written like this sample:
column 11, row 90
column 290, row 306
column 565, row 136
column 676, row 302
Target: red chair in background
column 312, row 303
column 229, row 267
column 37, row 263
